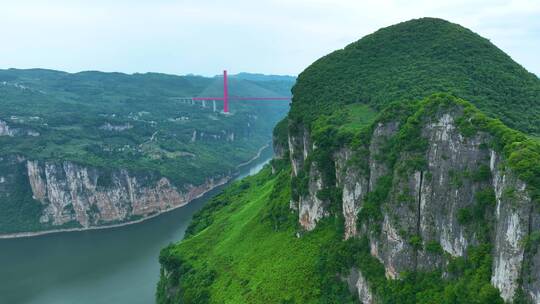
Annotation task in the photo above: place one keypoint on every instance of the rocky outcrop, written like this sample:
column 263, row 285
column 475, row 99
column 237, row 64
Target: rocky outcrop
column 530, row 271
column 311, row 207
column 448, row 186
column 299, row 148
column 280, row 151
column 224, row 135
column 89, row 197
column 425, row 219
column 513, row 214
column 359, row 285
column 377, row 167
column 110, row 127
column 5, row 130
column 355, row 185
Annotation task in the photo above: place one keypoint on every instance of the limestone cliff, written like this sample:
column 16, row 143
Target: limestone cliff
column 433, row 191
column 73, row 195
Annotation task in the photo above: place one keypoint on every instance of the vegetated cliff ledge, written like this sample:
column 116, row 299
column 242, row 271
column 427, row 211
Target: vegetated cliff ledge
column 425, row 186
column 430, row 202
column 74, row 197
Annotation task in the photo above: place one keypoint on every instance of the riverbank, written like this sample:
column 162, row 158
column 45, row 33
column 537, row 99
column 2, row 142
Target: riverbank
column 222, row 182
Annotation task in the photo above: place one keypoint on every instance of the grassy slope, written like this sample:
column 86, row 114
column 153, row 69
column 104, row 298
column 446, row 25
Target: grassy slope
column 254, row 262
column 247, row 237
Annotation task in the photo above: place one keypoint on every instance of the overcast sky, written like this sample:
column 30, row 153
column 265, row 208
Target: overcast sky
column 206, row 36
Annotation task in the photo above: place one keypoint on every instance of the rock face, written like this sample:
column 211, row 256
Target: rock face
column 355, row 185
column 359, row 285
column 426, row 203
column 5, row 130
column 279, row 149
column 299, row 148
column 119, row 128
column 87, row 197
column 225, row 135
column 515, row 219
column 311, row 207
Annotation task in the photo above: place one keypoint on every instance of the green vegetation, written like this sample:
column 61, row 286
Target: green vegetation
column 412, row 60
column 154, row 128
column 235, row 253
column 20, row 208
column 371, row 211
column 253, row 261
column 469, row 280
column 137, row 122
column 244, row 247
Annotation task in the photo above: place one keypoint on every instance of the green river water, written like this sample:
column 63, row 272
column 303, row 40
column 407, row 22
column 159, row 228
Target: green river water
column 117, row 265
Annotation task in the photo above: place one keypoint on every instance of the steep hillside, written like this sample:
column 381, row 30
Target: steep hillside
column 429, row 223
column 93, row 148
column 383, row 191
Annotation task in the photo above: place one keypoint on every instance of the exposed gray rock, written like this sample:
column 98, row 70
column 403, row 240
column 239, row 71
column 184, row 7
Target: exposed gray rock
column 426, row 204
column 311, row 208
column 447, row 187
column 399, row 224
column 72, row 193
column 299, row 148
column 355, row 185
column 5, row 130
column 279, row 150
column 359, row 285
column 198, row 135
column 531, row 266
column 110, row 127
column 512, row 224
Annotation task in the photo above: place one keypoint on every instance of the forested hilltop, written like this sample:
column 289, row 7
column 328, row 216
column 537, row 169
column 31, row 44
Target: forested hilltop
column 407, row 171
column 414, row 59
column 75, row 148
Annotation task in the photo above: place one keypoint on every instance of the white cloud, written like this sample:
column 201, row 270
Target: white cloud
column 204, row 36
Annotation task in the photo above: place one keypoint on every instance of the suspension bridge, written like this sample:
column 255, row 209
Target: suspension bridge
column 226, row 97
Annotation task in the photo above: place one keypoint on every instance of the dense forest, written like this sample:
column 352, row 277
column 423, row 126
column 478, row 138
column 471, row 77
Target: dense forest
column 411, row 60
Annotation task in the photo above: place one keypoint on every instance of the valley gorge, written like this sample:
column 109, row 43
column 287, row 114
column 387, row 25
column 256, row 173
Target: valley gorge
column 74, row 158
column 401, row 168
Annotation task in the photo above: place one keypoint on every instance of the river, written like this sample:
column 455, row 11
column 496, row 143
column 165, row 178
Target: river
column 117, row 265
